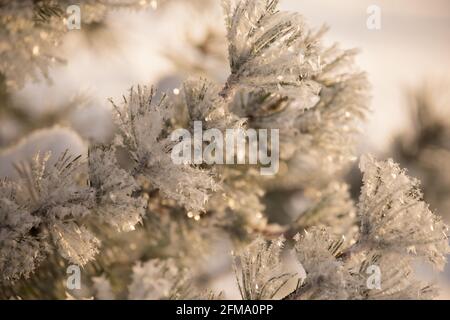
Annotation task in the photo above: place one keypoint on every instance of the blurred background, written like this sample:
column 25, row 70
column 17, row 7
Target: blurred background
column 407, row 61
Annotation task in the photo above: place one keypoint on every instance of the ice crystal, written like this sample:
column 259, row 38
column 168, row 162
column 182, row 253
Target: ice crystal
column 285, row 78
column 204, row 104
column 51, row 207
column 281, row 77
column 395, row 218
column 74, row 243
column 261, row 276
column 396, row 229
column 159, row 280
column 267, row 51
column 425, row 150
column 41, row 210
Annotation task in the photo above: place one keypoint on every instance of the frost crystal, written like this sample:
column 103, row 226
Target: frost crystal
column 114, row 187
column 326, row 277
column 267, row 50
column 394, row 216
column 396, row 228
column 284, row 78
column 103, row 290
column 41, row 210
column 144, row 133
column 159, row 280
column 74, row 243
column 261, row 277
column 331, row 207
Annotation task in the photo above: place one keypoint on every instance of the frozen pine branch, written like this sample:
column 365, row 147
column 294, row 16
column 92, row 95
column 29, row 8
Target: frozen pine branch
column 154, row 280
column 396, row 228
column 43, row 211
column 325, row 275
column 330, row 207
column 144, row 128
column 395, row 218
column 281, row 77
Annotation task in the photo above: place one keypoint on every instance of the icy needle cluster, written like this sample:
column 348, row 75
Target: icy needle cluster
column 49, row 207
column 144, row 134
column 260, row 275
column 285, row 78
column 153, row 280
column 281, row 77
column 41, row 211
column 396, row 229
column 425, row 150
column 395, row 218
